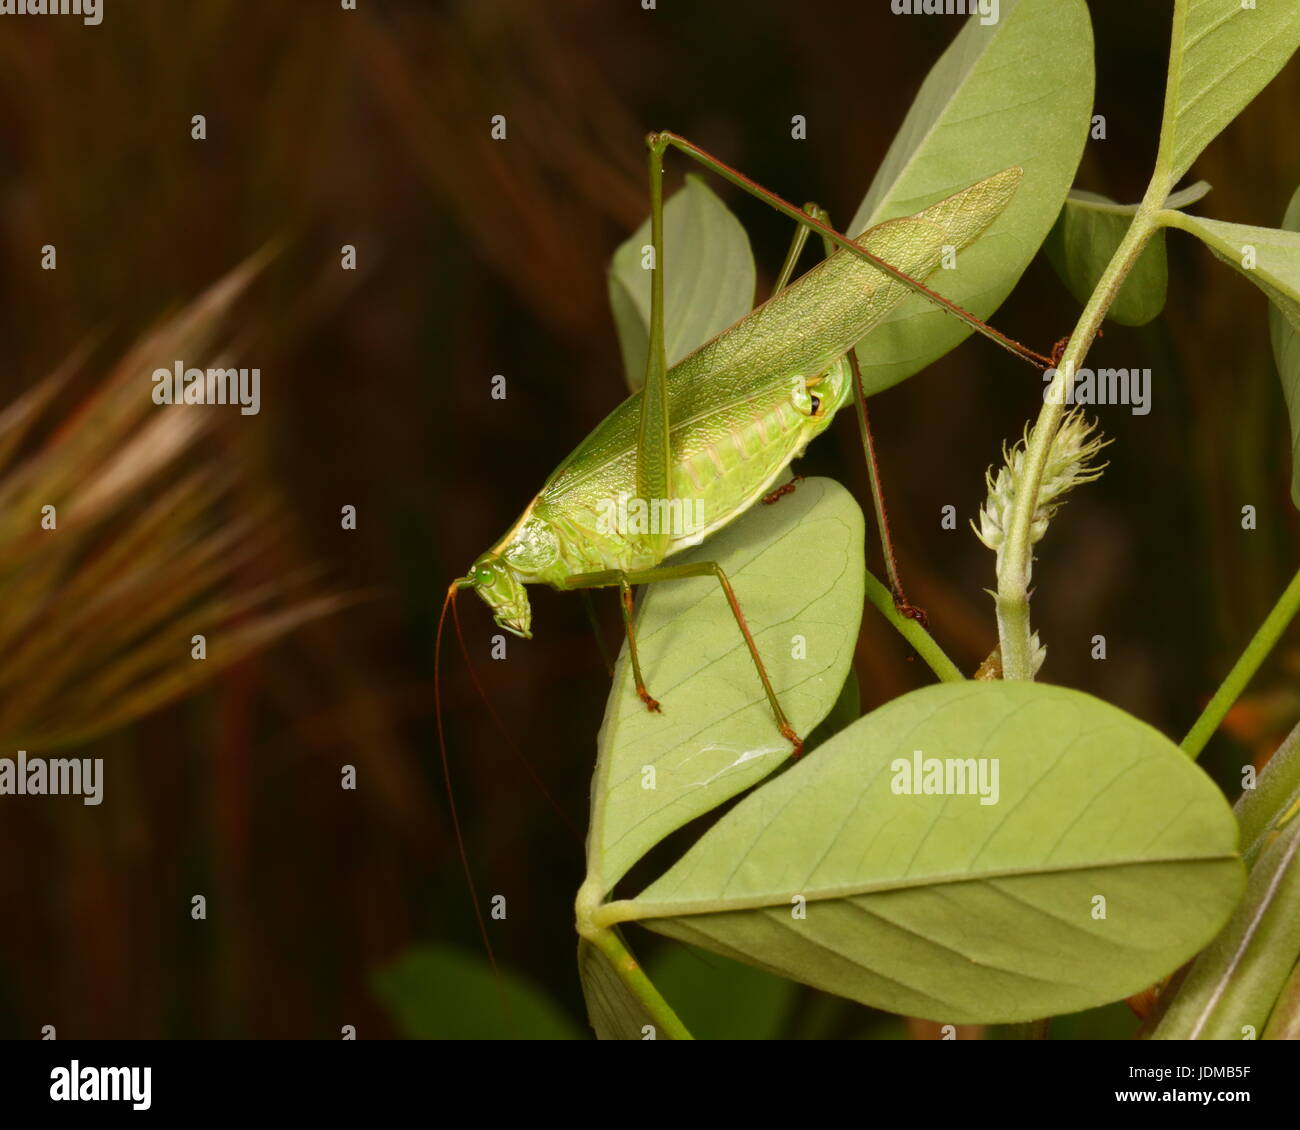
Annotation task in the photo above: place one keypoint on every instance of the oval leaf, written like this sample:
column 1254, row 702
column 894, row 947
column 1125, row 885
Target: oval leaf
column 1222, row 54
column 1017, row 92
column 945, row 907
column 796, row 568
column 1268, row 257
column 1086, row 236
column 708, row 279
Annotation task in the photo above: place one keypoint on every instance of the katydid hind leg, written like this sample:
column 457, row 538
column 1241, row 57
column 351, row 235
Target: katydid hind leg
column 839, row 240
column 904, row 606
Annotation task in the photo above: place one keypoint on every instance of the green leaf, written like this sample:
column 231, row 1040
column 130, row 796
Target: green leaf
column 1014, row 93
column 1222, row 54
column 943, row 907
column 1231, row 988
column 1284, row 329
column 614, row 1010
column 796, row 568
column 1270, row 258
column 719, row 999
column 708, row 279
column 442, row 993
column 1086, row 236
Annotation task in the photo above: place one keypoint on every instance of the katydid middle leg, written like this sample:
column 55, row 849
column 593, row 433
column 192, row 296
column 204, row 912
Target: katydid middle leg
column 624, row 580
column 797, row 244
column 904, row 606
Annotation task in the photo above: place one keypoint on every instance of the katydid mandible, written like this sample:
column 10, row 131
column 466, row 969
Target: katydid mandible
column 709, row 437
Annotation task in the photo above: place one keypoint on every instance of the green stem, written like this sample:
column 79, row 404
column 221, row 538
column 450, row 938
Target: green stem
column 911, row 631
column 1016, row 564
column 639, row 985
column 626, row 967
column 1244, row 669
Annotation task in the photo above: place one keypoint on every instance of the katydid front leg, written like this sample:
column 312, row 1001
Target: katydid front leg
column 675, row 573
column 654, row 472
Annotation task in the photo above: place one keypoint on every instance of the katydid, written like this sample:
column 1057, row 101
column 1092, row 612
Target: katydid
column 708, row 438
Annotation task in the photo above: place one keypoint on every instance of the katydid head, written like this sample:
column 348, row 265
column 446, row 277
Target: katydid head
column 503, row 592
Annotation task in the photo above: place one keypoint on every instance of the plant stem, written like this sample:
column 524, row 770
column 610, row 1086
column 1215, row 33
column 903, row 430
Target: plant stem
column 641, row 987
column 912, row 631
column 1014, row 573
column 626, row 967
column 1244, row 669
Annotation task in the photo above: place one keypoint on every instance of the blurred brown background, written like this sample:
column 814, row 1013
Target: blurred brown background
column 478, row 257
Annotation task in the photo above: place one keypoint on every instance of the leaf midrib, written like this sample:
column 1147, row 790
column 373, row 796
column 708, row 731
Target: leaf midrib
column 635, row 910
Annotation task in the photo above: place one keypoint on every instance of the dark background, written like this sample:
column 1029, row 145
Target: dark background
column 479, row 257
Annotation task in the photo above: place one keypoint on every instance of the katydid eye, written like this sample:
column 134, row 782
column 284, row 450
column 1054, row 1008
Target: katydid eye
column 485, row 575
column 816, row 404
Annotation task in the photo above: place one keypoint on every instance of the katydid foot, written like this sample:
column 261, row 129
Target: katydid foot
column 787, row 732
column 1058, row 350
column 905, row 607
column 782, row 491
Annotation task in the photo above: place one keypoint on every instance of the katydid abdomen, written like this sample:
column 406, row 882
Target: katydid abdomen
column 740, row 408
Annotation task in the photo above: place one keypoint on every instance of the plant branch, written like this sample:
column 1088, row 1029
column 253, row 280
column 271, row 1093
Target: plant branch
column 1244, row 669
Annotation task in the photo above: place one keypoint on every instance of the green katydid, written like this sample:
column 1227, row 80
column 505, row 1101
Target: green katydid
column 699, row 444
